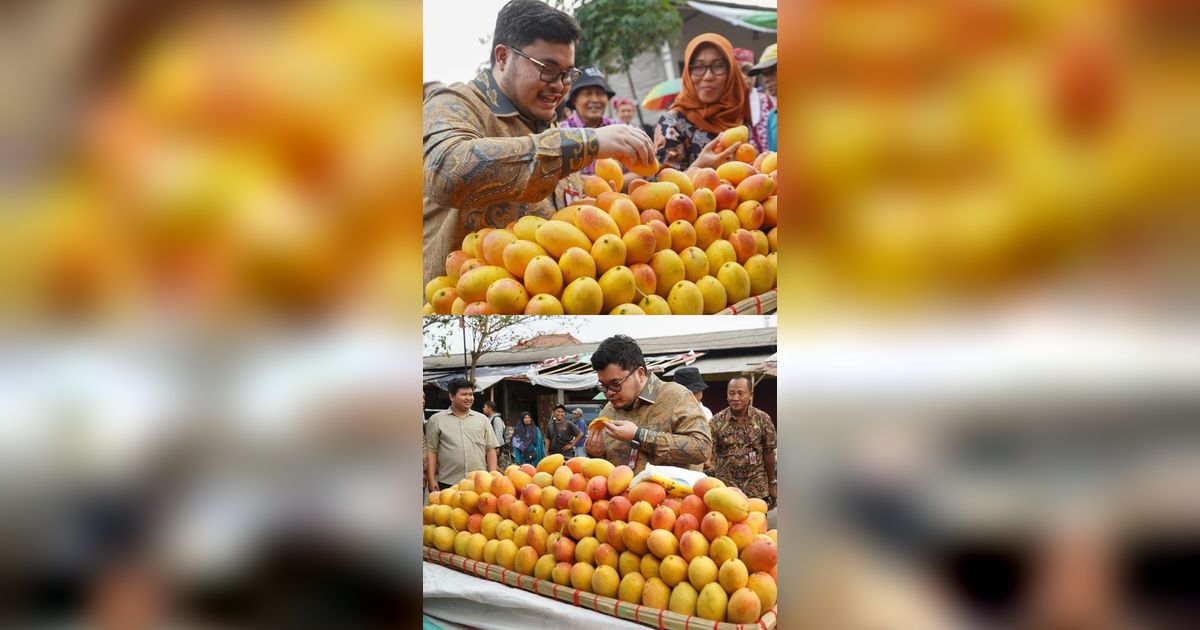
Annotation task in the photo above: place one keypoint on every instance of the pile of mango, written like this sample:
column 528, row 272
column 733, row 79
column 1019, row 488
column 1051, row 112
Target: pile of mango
column 240, row 159
column 964, row 150
column 702, row 551
column 686, row 244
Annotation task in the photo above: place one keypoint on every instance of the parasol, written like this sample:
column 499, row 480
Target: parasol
column 662, row 95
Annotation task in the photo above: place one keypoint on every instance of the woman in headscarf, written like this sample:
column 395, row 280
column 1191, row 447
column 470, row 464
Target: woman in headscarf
column 527, row 442
column 713, row 99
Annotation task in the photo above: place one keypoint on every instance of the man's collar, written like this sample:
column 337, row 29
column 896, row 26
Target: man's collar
column 496, row 99
column 455, row 413
column 749, row 412
column 499, row 102
column 649, row 391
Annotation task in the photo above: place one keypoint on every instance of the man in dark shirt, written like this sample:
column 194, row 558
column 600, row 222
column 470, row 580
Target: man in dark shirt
column 561, row 436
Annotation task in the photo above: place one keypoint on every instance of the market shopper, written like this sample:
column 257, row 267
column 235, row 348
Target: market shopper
column 492, row 151
column 744, row 443
column 626, row 110
column 562, row 436
column 504, row 452
column 489, row 410
column 589, row 100
column 459, row 439
column 577, row 419
column 762, row 100
column 650, row 420
column 527, row 441
column 713, row 99
column 690, row 378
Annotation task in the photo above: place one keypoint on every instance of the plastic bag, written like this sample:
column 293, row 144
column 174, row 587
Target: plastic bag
column 676, row 481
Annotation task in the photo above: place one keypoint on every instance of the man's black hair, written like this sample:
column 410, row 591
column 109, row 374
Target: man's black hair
column 458, row 384
column 522, row 22
column 743, row 377
column 490, row 403
column 618, row 349
column 563, row 407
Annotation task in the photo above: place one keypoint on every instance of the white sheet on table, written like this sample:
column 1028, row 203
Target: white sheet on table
column 466, row 599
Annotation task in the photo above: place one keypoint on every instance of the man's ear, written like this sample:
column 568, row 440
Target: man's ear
column 501, row 59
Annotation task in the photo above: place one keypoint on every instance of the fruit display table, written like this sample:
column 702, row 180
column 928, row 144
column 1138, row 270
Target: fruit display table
column 472, row 601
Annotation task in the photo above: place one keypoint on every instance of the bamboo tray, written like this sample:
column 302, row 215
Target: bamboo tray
column 653, row 617
column 757, row 305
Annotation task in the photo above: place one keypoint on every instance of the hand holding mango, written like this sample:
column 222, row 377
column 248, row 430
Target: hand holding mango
column 629, row 145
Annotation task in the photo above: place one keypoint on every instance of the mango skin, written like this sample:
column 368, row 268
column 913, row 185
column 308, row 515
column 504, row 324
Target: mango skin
column 729, row 502
column 654, row 196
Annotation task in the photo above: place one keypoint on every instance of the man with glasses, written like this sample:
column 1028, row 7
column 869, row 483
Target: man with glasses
column 650, row 420
column 492, row 150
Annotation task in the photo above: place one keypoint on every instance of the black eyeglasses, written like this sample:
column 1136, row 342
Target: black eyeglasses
column 719, row 69
column 615, row 387
column 550, row 74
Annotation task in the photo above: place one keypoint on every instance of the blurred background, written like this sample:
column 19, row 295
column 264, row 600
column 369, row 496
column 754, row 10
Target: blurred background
column 988, row 352
column 988, row 324
column 208, row 210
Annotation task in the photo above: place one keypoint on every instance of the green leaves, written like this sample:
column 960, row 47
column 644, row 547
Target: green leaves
column 615, row 32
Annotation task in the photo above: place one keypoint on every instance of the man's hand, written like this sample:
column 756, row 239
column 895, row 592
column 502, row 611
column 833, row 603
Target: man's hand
column 624, row 141
column 623, row 430
column 712, row 157
column 594, row 444
column 772, row 491
column 433, row 486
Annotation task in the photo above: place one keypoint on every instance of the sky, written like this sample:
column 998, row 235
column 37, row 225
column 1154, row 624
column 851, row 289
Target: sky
column 590, row 329
column 452, row 30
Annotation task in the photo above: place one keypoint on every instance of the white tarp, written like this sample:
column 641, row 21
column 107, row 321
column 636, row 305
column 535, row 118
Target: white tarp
column 732, row 15
column 473, row 601
column 573, row 382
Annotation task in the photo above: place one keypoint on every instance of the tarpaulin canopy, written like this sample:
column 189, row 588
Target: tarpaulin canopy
column 726, row 364
column 761, row 20
column 569, row 372
column 573, row 382
column 485, row 377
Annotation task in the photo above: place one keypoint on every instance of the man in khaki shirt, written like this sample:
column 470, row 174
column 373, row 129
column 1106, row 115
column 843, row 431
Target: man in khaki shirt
column 492, row 149
column 650, row 420
column 459, row 440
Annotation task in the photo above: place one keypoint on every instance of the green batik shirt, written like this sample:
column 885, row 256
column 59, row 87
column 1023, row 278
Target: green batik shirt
column 676, row 432
column 486, row 165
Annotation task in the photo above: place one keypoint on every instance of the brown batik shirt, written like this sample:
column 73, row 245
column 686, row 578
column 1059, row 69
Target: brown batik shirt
column 740, row 447
column 486, row 165
column 677, row 434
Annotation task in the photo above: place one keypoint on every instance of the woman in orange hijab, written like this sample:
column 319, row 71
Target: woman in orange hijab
column 713, row 99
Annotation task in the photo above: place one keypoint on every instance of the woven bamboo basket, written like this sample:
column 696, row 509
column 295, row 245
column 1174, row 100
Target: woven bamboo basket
column 757, row 305
column 653, row 617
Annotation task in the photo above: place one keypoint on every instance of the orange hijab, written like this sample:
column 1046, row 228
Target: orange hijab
column 731, row 109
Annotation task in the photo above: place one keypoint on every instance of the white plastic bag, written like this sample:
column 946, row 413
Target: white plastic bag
column 677, row 481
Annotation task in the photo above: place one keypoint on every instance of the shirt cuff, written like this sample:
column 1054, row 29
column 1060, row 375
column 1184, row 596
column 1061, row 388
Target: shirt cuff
column 579, row 147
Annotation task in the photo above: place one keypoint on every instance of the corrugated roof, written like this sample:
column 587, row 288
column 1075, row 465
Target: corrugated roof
column 710, row 341
column 730, row 364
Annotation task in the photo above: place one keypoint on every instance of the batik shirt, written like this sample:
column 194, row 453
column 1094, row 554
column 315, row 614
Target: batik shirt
column 486, row 165
column 575, row 122
column 761, row 106
column 679, row 142
column 740, row 447
column 677, row 434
